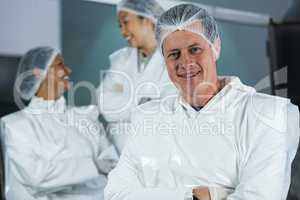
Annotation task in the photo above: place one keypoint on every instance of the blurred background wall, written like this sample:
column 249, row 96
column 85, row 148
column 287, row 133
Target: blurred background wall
column 90, row 33
column 23, row 25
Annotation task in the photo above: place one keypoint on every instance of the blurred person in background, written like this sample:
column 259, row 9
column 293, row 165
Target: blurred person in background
column 53, row 151
column 137, row 73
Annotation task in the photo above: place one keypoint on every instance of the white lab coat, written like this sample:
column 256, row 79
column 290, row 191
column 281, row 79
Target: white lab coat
column 55, row 152
column 241, row 141
column 125, row 86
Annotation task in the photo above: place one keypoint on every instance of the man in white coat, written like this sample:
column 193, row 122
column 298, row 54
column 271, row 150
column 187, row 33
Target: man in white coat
column 53, row 151
column 218, row 139
column 137, row 73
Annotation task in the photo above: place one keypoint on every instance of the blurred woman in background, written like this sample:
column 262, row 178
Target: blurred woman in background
column 137, row 73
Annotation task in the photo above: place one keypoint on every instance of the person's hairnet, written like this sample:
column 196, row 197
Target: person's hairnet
column 147, row 8
column 188, row 17
column 32, row 70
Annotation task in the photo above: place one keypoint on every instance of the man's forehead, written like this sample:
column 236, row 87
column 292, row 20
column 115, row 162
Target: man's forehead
column 182, row 39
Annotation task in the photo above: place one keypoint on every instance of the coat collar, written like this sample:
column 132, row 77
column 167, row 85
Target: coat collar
column 218, row 103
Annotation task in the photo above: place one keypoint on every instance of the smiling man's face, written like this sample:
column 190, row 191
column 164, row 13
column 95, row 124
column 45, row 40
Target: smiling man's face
column 191, row 65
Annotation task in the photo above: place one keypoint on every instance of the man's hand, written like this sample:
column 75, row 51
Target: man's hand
column 201, row 193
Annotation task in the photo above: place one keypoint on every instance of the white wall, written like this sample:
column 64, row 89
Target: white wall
column 28, row 23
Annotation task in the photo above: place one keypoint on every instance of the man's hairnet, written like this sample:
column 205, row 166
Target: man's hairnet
column 191, row 18
column 147, row 8
column 32, row 70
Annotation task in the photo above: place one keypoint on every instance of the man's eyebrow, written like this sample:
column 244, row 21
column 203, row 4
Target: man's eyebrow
column 173, row 50
column 177, row 49
column 194, row 44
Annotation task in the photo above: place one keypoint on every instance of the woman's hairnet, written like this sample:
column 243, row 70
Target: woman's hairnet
column 191, row 18
column 147, row 8
column 32, row 70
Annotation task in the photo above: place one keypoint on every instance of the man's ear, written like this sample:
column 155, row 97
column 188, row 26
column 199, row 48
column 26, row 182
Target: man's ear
column 217, row 46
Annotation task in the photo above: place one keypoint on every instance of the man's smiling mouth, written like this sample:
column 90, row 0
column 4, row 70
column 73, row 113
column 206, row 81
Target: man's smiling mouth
column 189, row 75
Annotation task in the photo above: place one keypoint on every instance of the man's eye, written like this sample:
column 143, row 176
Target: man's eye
column 194, row 50
column 174, row 55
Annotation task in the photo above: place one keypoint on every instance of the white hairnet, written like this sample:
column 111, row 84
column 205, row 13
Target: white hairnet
column 35, row 60
column 147, row 8
column 191, row 18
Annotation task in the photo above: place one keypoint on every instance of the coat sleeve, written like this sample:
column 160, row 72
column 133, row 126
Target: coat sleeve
column 124, row 181
column 107, row 156
column 268, row 147
column 114, row 98
column 115, row 91
column 44, row 172
column 104, row 152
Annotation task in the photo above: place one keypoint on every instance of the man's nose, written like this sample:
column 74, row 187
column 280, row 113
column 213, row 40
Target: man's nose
column 187, row 60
